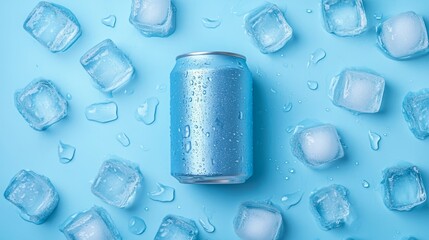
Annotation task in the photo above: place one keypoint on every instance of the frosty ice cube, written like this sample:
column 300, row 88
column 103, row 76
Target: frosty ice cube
column 53, row 25
column 415, row 109
column 268, row 28
column 93, row 224
column 153, row 18
column 403, row 36
column 108, row 66
column 41, row 104
column 403, row 188
column 33, row 194
column 177, row 228
column 317, row 145
column 117, row 182
column 357, row 91
column 344, row 17
column 330, row 206
column 258, row 221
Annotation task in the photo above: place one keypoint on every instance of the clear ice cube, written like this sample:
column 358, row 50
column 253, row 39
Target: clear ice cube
column 403, row 188
column 153, row 18
column 258, row 221
column 330, row 206
column 268, row 28
column 317, row 145
column 358, row 91
column 108, row 66
column 93, row 224
column 41, row 104
column 177, row 228
column 53, row 25
column 344, row 17
column 33, row 194
column 117, row 182
column 403, row 36
column 415, row 108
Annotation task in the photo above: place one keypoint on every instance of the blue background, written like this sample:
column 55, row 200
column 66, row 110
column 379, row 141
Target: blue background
column 278, row 79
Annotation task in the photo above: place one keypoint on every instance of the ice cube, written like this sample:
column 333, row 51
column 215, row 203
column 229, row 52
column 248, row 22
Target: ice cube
column 358, row 91
column 153, row 18
column 93, row 224
column 53, row 25
column 258, row 221
column 33, row 194
column 344, row 17
column 268, row 28
column 317, row 145
column 41, row 104
column 108, row 66
column 403, row 188
column 415, row 109
column 403, row 36
column 177, row 228
column 330, row 206
column 117, row 182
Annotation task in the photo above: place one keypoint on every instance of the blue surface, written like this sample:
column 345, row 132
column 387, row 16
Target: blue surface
column 278, row 79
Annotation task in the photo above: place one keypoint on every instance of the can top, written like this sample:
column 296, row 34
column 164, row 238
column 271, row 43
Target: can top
column 211, row 53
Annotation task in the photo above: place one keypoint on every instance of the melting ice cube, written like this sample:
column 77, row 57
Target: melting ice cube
column 403, row 36
column 117, row 182
column 258, row 221
column 357, row 91
column 108, row 66
column 53, row 25
column 403, row 188
column 268, row 28
column 93, row 224
column 41, row 104
column 330, row 206
column 33, row 194
column 317, row 145
column 177, row 228
column 344, row 17
column 153, row 18
column 415, row 109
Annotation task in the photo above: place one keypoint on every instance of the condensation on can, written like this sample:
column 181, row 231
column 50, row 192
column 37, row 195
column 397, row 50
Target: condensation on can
column 211, row 118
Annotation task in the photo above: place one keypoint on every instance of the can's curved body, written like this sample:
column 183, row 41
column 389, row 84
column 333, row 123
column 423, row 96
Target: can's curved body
column 211, row 118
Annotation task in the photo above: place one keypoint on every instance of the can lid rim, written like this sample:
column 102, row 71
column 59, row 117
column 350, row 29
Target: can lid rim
column 211, row 53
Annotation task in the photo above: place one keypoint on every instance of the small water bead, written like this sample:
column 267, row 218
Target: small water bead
column 365, row 184
column 188, row 146
column 211, row 23
column 136, row 225
column 207, row 225
column 292, row 170
column 102, row 112
column 287, row 107
column 292, row 199
column 123, row 139
column 286, row 178
column 240, row 115
column 290, row 129
column 378, row 15
column 147, row 111
column 312, row 85
column 273, row 90
column 164, row 193
column 308, row 10
column 374, row 140
column 316, row 56
column 187, row 132
column 109, row 21
column 69, row 96
column 65, row 152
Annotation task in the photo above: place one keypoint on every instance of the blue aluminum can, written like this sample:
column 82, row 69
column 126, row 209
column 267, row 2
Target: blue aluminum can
column 211, row 118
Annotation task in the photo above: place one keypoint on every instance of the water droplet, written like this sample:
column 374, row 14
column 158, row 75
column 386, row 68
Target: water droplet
column 128, row 92
column 273, row 90
column 309, row 10
column 136, row 225
column 290, row 129
column 208, row 134
column 286, row 178
column 65, row 152
column 69, row 96
column 356, row 163
column 146, row 209
column 240, row 115
column 123, row 139
column 327, row 110
column 287, row 107
column 292, row 170
column 161, row 87
column 211, row 23
column 188, row 146
column 179, row 207
column 299, row 101
column 163, row 193
column 378, row 15
column 207, row 225
column 331, row 179
column 374, row 140
column 312, row 85
column 102, row 112
column 147, row 111
column 187, row 132
column 316, row 56
column 292, row 199
column 365, row 184
column 109, row 21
